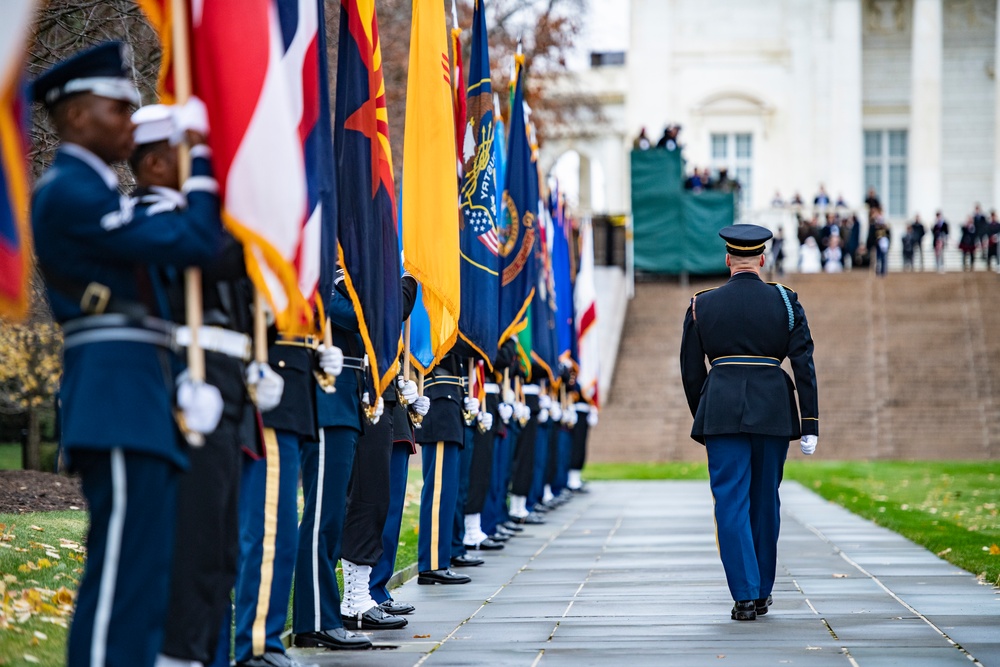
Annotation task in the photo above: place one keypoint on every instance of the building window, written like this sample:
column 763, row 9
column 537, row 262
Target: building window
column 734, row 152
column 607, row 58
column 885, row 169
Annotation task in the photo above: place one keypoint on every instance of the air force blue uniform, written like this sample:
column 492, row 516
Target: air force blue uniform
column 745, row 412
column 117, row 388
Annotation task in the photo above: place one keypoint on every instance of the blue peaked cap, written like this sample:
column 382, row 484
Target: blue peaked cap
column 100, row 70
column 745, row 240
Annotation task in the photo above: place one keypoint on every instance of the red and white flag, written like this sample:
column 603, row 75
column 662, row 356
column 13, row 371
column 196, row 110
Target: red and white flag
column 585, row 306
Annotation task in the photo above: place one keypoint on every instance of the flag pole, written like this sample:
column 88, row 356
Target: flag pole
column 192, row 275
column 406, row 350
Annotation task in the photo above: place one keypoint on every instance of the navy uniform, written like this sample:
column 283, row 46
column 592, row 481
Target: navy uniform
column 744, row 408
column 117, row 391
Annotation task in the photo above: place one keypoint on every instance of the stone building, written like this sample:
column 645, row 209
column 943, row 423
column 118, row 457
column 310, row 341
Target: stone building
column 899, row 95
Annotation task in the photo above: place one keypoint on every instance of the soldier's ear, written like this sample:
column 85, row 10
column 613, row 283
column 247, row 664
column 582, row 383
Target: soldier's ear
column 762, row 261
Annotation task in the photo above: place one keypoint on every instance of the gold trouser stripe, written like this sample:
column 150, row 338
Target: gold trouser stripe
column 436, row 504
column 272, row 479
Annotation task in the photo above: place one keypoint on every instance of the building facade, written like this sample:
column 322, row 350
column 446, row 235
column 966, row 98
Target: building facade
column 898, row 95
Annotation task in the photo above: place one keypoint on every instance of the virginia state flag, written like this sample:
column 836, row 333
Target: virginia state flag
column 430, row 190
column 366, row 195
column 15, row 235
column 479, row 324
column 562, row 280
column 519, row 228
column 544, row 357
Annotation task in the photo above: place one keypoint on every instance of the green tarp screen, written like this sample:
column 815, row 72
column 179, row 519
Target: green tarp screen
column 676, row 230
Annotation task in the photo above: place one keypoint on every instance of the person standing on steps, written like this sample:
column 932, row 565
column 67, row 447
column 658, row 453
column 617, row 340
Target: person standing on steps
column 744, row 408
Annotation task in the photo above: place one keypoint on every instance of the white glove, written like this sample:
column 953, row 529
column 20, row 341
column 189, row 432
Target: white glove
column 193, row 116
column 200, row 403
column 543, row 416
column 571, row 418
column 555, row 412
column 407, row 390
column 592, row 417
column 544, row 402
column 506, row 411
column 486, row 419
column 472, row 405
column 331, row 359
column 379, row 408
column 268, row 385
column 421, row 405
column 808, row 444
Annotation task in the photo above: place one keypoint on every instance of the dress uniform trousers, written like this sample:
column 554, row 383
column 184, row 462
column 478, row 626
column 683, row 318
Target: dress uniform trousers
column 206, row 551
column 578, row 455
column 559, row 455
column 368, row 493
column 745, row 471
column 543, row 439
column 326, row 471
column 495, row 508
column 464, row 471
column 123, row 595
column 438, row 500
column 268, row 538
column 383, row 570
column 522, row 467
column 481, row 468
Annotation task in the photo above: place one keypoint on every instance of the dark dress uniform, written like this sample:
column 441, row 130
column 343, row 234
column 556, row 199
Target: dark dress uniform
column 206, row 552
column 744, row 407
column 326, row 470
column 442, row 438
column 117, row 388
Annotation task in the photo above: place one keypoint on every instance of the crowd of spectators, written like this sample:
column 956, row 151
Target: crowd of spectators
column 830, row 238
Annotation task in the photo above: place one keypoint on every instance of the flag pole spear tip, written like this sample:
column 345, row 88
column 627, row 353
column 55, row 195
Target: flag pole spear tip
column 454, row 13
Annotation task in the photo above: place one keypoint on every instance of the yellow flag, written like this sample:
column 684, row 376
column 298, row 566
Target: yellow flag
column 430, row 188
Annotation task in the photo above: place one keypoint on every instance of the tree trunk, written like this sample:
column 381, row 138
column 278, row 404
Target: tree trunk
column 33, row 445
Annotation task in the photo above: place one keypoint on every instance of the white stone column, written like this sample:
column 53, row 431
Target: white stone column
column 648, row 61
column 846, row 134
column 996, row 111
column 924, row 163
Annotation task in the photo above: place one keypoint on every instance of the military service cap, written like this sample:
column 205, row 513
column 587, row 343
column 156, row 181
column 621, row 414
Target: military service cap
column 745, row 240
column 100, row 70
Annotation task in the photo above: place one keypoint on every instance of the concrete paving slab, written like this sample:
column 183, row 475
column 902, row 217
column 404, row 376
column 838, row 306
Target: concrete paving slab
column 630, row 574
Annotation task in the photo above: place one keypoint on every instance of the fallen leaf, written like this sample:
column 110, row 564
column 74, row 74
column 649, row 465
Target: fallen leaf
column 421, row 636
column 838, row 575
column 38, row 528
column 720, row 656
column 945, row 552
column 994, row 550
column 31, row 658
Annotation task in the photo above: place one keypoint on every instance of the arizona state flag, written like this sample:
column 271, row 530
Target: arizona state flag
column 519, row 229
column 366, row 199
column 430, row 190
column 479, row 324
column 15, row 234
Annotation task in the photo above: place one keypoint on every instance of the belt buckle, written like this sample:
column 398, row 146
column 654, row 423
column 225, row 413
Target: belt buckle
column 95, row 298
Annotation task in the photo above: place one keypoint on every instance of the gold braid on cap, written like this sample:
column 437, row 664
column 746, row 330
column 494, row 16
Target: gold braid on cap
column 745, row 248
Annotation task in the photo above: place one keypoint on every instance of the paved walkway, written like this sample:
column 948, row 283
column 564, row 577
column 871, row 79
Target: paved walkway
column 629, row 575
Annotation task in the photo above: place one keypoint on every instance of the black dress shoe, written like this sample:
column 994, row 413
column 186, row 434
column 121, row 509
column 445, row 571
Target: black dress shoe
column 500, row 537
column 337, row 639
column 396, row 608
column 465, row 560
column 485, row 545
column 580, row 489
column 540, row 508
column 375, row 618
column 442, row 577
column 510, row 524
column 761, row 605
column 744, row 610
column 530, row 520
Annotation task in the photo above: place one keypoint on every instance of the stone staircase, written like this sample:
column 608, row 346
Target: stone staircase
column 908, row 365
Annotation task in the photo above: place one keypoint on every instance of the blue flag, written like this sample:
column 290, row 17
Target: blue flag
column 519, row 228
column 543, row 307
column 367, row 220
column 478, row 241
column 421, row 351
column 562, row 280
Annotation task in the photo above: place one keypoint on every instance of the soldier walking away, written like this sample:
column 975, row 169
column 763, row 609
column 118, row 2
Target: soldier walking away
column 744, row 408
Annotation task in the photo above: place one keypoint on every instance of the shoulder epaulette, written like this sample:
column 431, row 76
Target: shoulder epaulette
column 788, row 304
column 786, row 287
column 703, row 291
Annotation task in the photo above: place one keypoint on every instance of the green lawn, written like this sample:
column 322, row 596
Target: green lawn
column 951, row 508
column 10, row 456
